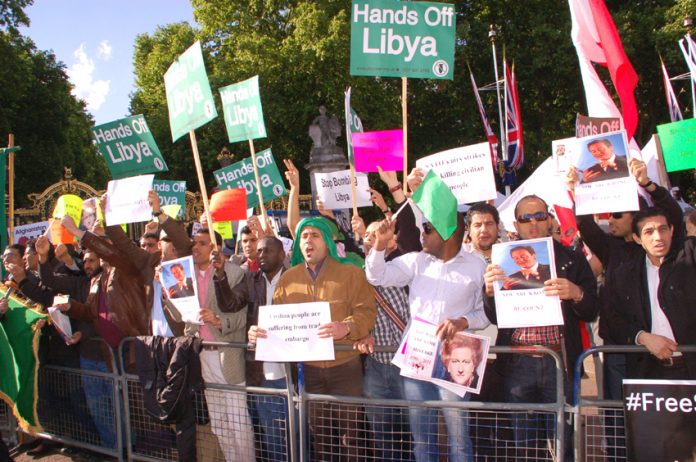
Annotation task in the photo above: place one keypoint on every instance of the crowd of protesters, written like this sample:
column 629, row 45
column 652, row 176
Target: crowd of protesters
column 634, row 278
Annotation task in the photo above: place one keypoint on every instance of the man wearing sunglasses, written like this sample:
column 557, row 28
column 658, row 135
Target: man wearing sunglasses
column 446, row 288
column 531, row 378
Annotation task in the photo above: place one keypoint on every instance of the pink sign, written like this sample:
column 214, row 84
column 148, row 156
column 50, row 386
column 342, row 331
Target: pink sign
column 385, row 148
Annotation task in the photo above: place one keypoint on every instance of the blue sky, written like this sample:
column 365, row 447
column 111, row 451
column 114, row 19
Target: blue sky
column 95, row 39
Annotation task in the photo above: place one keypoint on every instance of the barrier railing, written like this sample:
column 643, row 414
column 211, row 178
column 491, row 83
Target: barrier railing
column 599, row 423
column 269, row 424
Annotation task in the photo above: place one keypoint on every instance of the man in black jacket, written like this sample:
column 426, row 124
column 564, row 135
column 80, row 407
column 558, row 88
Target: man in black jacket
column 653, row 291
column 531, row 378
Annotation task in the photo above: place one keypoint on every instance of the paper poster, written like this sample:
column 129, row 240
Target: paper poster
column 189, row 98
column 179, row 282
column 402, row 39
column 604, row 183
column 660, row 420
column 678, row 142
column 417, row 353
column 241, row 104
column 127, row 201
column 241, row 175
column 588, row 126
column 563, row 153
column 334, row 189
column 91, row 214
column 461, row 363
column 128, row 147
column 228, row 205
column 23, row 233
column 60, row 320
column 467, row 171
column 293, row 333
column 519, row 298
column 171, row 193
column 384, row 149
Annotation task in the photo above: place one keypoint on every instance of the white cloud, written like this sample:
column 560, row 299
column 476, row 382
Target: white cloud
column 104, row 50
column 81, row 74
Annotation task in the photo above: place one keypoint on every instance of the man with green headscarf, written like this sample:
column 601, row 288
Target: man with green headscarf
column 319, row 274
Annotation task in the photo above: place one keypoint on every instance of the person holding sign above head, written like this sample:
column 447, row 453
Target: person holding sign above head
column 608, row 166
column 319, row 274
column 445, row 285
column 531, row 378
column 531, row 275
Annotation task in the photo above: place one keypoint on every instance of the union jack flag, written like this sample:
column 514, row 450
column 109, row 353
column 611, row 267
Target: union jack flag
column 490, row 135
column 675, row 113
column 513, row 118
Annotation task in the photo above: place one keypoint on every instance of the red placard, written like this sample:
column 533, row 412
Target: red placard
column 228, row 205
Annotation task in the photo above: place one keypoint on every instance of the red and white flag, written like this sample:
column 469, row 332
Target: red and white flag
column 672, row 102
column 597, row 41
column 490, row 135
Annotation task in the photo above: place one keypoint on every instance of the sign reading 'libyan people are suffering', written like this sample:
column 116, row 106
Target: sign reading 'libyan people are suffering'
column 390, row 38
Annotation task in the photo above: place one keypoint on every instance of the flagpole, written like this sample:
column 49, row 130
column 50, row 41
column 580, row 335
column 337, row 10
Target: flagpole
column 201, row 185
column 262, row 207
column 503, row 135
column 10, row 189
column 404, row 123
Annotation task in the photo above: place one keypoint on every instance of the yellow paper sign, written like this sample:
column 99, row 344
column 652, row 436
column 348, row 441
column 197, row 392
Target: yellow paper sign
column 70, row 205
column 171, row 210
column 224, row 228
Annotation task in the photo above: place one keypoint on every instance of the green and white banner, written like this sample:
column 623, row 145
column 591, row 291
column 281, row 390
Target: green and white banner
column 241, row 104
column 353, row 125
column 241, row 175
column 128, row 147
column 391, row 38
column 171, row 193
column 189, row 97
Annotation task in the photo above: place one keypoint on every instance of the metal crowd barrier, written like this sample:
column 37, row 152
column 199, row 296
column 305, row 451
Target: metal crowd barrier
column 8, row 424
column 266, row 424
column 599, row 423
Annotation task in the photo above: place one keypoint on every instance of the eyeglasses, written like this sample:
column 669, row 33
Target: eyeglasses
column 617, row 215
column 527, row 217
column 428, row 228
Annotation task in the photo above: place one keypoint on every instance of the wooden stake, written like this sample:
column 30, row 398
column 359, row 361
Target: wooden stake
column 201, row 185
column 661, row 169
column 404, row 123
column 10, row 188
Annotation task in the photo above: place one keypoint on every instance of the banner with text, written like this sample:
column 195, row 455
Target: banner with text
column 189, row 98
column 678, row 141
column 383, row 149
column 171, row 193
column 467, row 171
column 241, row 104
column 660, row 420
column 402, row 39
column 241, row 175
column 353, row 124
column 588, row 126
column 334, row 189
column 128, row 147
column 128, row 200
column 293, row 333
column 23, row 233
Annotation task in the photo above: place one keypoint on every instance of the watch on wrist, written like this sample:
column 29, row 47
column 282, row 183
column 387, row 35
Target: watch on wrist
column 647, row 185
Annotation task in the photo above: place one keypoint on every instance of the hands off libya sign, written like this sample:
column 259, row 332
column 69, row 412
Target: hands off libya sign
column 391, row 38
column 128, row 147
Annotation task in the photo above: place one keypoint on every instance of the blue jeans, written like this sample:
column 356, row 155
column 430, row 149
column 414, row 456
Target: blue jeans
column 273, row 417
column 424, row 423
column 389, row 424
column 99, row 394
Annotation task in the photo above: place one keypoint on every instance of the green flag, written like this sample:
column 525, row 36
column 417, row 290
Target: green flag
column 438, row 204
column 189, row 98
column 241, row 104
column 128, row 147
column 19, row 343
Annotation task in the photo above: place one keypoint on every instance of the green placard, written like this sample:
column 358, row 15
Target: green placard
column 402, row 39
column 241, row 175
column 678, row 141
column 128, row 147
column 171, row 193
column 241, row 104
column 189, row 98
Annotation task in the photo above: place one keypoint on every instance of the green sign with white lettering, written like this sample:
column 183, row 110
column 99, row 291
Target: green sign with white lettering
column 678, row 141
column 189, row 97
column 241, row 175
column 128, row 147
column 391, row 38
column 241, row 104
column 171, row 193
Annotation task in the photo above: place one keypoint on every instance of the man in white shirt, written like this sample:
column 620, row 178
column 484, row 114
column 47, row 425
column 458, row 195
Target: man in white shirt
column 446, row 288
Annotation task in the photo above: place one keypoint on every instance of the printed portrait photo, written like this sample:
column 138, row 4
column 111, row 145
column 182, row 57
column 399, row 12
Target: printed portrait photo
column 603, row 157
